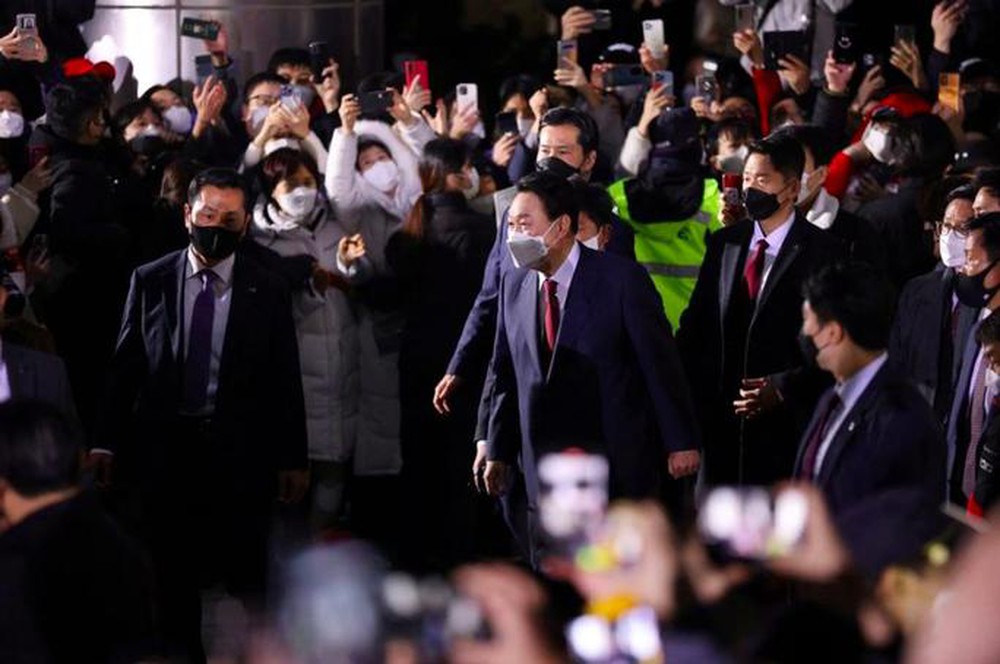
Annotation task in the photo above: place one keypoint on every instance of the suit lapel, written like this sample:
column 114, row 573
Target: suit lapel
column 240, row 323
column 850, row 423
column 525, row 315
column 173, row 290
column 730, row 264
column 577, row 305
column 789, row 250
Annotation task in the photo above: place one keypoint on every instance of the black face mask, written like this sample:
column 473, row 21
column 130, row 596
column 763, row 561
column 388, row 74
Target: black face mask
column 557, row 167
column 971, row 289
column 214, row 242
column 810, row 352
column 760, row 204
column 982, row 111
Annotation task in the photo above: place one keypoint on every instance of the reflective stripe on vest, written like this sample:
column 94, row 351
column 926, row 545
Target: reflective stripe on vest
column 672, row 251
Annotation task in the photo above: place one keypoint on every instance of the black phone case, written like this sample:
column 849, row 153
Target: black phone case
column 507, row 123
column 780, row 43
column 373, row 103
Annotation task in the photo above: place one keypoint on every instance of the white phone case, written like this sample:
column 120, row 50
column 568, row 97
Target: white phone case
column 467, row 94
column 652, row 34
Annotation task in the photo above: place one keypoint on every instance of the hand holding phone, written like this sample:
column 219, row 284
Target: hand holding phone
column 506, row 123
column 750, row 524
column 376, row 102
column 652, row 36
column 949, row 87
column 417, row 70
column 197, row 28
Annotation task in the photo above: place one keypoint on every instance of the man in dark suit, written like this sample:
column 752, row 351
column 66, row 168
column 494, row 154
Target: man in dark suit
column 206, row 372
column 931, row 323
column 872, row 431
column 583, row 357
column 75, row 588
column 738, row 337
column 978, row 285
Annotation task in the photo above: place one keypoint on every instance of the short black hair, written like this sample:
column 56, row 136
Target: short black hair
column 989, row 329
column 736, row 128
column 295, row 56
column 558, row 117
column 965, row 192
column 988, row 179
column 813, row 138
column 927, row 146
column 856, row 295
column 785, row 153
column 220, row 178
column 989, row 224
column 68, row 108
column 523, row 84
column 555, row 193
column 594, row 200
column 130, row 112
column 258, row 79
column 153, row 89
column 40, row 448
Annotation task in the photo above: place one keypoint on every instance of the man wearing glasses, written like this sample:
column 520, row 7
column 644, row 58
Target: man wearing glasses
column 931, row 323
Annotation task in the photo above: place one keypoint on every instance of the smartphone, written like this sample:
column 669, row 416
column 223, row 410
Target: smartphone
column 732, row 185
column 375, row 103
column 567, row 49
column 750, row 523
column 602, row 19
column 466, row 94
column 904, row 33
column 745, row 16
column 319, row 59
column 781, row 43
column 706, row 87
column 288, row 97
column 665, row 80
column 949, row 85
column 203, row 67
column 845, row 49
column 36, row 153
column 417, row 70
column 652, row 36
column 634, row 636
column 572, row 500
column 506, row 123
column 621, row 76
column 27, row 26
column 199, row 28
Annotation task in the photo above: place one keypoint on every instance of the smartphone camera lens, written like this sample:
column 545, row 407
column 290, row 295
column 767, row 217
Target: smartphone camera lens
column 462, row 89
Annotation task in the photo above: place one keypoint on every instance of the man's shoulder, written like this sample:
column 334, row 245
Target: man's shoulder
column 162, row 265
column 17, row 354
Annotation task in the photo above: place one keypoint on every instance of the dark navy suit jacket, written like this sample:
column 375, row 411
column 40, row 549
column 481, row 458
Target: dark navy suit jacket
column 614, row 385
column 889, row 440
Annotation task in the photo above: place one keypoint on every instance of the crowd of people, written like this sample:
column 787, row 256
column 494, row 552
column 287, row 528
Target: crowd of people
column 278, row 356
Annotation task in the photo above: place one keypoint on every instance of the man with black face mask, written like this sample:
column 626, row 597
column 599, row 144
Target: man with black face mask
column 205, row 405
column 738, row 336
column 976, row 286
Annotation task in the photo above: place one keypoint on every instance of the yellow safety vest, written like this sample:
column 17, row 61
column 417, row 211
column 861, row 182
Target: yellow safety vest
column 672, row 251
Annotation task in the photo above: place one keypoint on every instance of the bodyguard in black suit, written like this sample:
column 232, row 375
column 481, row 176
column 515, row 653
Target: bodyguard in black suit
column 738, row 337
column 205, row 409
column 872, row 432
column 931, row 325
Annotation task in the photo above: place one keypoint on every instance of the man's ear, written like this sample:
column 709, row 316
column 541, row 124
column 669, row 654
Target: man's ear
column 589, row 162
column 187, row 215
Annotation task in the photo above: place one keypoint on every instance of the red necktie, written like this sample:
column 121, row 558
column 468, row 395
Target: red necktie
column 551, row 313
column 816, row 436
column 753, row 273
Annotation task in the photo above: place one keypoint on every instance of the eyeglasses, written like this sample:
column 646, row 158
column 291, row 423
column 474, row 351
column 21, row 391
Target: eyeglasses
column 265, row 100
column 949, row 228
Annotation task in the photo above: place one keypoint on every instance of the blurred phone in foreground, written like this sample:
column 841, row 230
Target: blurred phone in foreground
column 751, row 523
column 573, row 500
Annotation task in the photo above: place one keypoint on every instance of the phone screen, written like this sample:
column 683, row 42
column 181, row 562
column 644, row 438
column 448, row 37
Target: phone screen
column 751, row 524
column 949, row 85
column 568, row 51
column 745, row 16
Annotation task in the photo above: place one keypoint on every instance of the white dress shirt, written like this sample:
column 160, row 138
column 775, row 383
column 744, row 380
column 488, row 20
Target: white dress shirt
column 849, row 392
column 5, row 392
column 223, row 297
column 774, row 242
column 563, row 277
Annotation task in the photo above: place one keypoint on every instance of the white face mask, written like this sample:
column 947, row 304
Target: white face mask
column 383, row 175
column 952, row 249
column 473, row 189
column 877, row 142
column 179, row 119
column 257, row 117
column 593, row 242
column 528, row 250
column 524, row 126
column 992, row 380
column 6, row 182
column 298, row 203
column 11, row 124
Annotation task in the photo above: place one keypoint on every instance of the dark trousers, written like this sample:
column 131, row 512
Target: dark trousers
column 208, row 526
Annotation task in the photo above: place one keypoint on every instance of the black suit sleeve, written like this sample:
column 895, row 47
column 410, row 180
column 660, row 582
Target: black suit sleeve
column 289, row 420
column 649, row 331
column 503, row 425
column 695, row 331
column 128, row 368
column 473, row 349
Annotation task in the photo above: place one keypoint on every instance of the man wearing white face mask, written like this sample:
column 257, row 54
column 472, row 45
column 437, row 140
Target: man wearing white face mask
column 932, row 323
column 583, row 358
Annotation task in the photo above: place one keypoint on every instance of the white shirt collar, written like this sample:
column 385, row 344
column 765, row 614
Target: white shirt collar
column 851, row 389
column 564, row 274
column 776, row 238
column 223, row 269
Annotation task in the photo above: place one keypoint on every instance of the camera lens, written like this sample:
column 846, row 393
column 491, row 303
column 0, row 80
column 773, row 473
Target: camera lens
column 462, row 89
